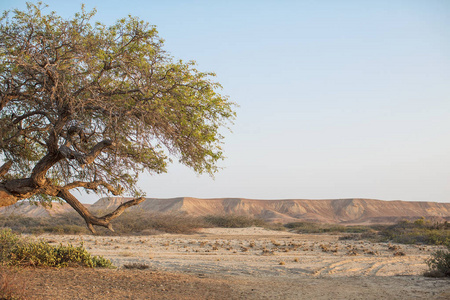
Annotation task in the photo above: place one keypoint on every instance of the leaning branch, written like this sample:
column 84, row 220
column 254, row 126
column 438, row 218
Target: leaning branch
column 89, row 218
column 122, row 207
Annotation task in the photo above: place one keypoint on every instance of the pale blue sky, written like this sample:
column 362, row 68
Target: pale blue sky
column 338, row 99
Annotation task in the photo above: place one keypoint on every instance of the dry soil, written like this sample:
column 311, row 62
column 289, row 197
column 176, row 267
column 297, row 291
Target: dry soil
column 250, row 263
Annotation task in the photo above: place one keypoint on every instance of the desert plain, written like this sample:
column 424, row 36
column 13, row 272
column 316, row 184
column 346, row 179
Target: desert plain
column 240, row 263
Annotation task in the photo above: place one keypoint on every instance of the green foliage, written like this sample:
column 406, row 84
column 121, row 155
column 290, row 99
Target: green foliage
column 8, row 241
column 420, row 231
column 127, row 223
column 439, row 264
column 78, row 84
column 233, row 221
column 69, row 223
column 148, row 223
column 132, row 223
column 137, row 266
column 310, row 227
column 17, row 251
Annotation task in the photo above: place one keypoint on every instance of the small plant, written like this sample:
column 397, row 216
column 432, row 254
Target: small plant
column 275, row 243
column 352, row 252
column 324, row 248
column 267, row 252
column 439, row 264
column 371, row 252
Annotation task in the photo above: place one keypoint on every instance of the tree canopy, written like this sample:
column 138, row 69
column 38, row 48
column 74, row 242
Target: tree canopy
column 89, row 106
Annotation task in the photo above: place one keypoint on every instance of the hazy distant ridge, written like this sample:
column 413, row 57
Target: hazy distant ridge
column 344, row 211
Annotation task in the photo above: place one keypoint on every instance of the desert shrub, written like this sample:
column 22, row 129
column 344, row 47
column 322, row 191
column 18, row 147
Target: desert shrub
column 420, row 231
column 274, row 226
column 439, row 264
column 68, row 223
column 18, row 251
column 311, row 227
column 62, row 229
column 8, row 241
column 372, row 236
column 234, row 221
column 145, row 223
column 138, row 266
column 127, row 223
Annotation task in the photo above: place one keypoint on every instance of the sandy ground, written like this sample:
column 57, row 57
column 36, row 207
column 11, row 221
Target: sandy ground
column 253, row 263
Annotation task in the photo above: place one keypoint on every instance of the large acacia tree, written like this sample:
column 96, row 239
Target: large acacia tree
column 89, row 106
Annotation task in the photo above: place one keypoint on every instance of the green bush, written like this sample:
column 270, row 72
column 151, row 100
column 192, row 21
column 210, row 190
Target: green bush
column 151, row 223
column 137, row 266
column 68, row 223
column 128, row 223
column 18, row 251
column 234, row 221
column 8, row 241
column 420, row 231
column 439, row 264
column 311, row 227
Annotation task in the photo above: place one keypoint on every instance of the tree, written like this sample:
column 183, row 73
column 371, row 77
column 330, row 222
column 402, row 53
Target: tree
column 86, row 106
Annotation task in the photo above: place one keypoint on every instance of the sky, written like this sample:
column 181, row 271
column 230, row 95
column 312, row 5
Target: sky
column 337, row 99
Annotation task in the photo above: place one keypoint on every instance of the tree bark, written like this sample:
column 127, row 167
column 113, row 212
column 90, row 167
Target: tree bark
column 5, row 168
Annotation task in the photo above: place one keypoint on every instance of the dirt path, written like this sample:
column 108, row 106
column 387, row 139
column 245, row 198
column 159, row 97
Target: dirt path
column 247, row 263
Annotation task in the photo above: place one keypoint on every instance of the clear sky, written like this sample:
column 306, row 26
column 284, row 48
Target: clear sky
column 338, row 99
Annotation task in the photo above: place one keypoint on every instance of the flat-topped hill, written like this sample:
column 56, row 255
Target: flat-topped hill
column 341, row 211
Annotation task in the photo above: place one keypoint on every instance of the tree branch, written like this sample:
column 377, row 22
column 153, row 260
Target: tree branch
column 93, row 186
column 96, row 150
column 92, row 220
column 85, row 159
column 42, row 113
column 5, row 168
column 122, row 207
